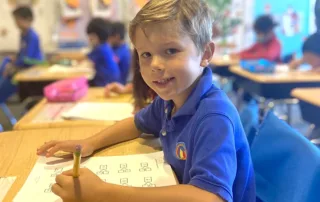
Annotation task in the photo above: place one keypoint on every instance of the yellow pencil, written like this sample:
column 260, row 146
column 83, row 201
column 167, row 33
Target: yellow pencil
column 77, row 161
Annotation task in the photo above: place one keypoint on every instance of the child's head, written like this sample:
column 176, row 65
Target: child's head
column 263, row 28
column 311, row 50
column 23, row 17
column 98, row 31
column 173, row 43
column 118, row 33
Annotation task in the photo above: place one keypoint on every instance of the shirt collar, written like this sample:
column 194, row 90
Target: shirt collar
column 190, row 106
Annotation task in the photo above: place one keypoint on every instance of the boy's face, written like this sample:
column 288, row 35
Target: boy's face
column 93, row 39
column 312, row 59
column 169, row 62
column 22, row 24
column 264, row 37
column 114, row 40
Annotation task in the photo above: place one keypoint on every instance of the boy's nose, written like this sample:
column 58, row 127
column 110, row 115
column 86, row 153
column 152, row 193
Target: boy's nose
column 157, row 64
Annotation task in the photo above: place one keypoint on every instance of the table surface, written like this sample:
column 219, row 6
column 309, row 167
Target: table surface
column 44, row 73
column 310, row 95
column 278, row 77
column 18, row 150
column 48, row 115
column 224, row 61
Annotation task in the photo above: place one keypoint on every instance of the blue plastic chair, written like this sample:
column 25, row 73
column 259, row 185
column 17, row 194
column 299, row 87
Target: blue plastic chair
column 249, row 116
column 286, row 164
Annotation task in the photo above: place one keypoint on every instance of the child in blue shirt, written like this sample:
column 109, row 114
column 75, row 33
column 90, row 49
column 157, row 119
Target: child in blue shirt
column 120, row 49
column 29, row 53
column 107, row 70
column 199, row 128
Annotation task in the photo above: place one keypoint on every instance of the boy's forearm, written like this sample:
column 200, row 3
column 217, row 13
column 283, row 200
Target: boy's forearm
column 185, row 193
column 122, row 131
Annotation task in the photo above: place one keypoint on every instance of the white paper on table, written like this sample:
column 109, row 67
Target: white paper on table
column 100, row 111
column 5, row 185
column 143, row 170
column 68, row 69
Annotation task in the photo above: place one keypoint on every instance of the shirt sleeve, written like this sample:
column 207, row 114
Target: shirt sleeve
column 148, row 120
column 28, row 54
column 214, row 161
column 271, row 53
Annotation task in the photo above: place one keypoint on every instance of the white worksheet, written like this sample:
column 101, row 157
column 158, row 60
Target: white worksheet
column 144, row 170
column 5, row 185
column 98, row 111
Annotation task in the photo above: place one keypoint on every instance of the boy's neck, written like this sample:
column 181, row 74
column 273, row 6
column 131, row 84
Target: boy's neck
column 25, row 31
column 182, row 98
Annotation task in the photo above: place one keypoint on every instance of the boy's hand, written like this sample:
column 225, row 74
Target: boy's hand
column 50, row 148
column 87, row 187
column 9, row 71
column 114, row 88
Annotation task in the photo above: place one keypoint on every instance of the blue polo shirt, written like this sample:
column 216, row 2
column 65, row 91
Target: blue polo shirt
column 30, row 50
column 204, row 142
column 123, row 55
column 107, row 70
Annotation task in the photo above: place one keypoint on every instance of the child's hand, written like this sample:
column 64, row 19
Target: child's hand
column 87, row 187
column 9, row 71
column 50, row 148
column 114, row 88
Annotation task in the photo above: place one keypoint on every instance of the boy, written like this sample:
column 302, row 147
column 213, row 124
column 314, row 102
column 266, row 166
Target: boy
column 107, row 70
column 267, row 46
column 200, row 130
column 28, row 55
column 311, row 53
column 120, row 49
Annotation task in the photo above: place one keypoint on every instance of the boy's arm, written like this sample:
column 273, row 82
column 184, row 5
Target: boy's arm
column 185, row 193
column 272, row 53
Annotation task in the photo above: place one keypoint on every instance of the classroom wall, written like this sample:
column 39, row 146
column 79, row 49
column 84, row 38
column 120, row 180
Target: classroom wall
column 48, row 22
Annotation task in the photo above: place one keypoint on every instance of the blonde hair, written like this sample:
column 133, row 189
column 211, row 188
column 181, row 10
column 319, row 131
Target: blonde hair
column 192, row 17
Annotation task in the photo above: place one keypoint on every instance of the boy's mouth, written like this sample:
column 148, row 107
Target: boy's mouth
column 163, row 82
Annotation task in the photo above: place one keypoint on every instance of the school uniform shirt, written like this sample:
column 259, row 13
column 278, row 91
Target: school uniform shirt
column 30, row 50
column 123, row 55
column 270, row 51
column 107, row 70
column 204, row 141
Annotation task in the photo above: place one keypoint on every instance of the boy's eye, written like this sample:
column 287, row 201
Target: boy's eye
column 171, row 51
column 145, row 55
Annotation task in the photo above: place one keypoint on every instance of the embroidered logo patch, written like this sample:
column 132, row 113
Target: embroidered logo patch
column 181, row 151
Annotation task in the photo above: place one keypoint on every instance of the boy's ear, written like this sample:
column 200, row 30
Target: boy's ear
column 208, row 54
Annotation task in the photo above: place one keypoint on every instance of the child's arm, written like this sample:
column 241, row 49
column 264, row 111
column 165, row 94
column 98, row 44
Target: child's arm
column 92, row 188
column 122, row 131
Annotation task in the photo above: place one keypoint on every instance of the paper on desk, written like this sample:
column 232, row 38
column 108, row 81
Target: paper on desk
column 100, row 111
column 143, row 170
column 68, row 69
column 5, row 185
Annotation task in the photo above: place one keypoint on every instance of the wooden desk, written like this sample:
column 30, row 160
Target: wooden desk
column 223, row 61
column 51, row 112
column 309, row 104
column 43, row 73
column 220, row 65
column 18, row 150
column 274, row 86
column 32, row 80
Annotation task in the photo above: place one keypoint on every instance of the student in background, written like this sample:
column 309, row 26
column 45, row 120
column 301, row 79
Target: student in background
column 267, row 45
column 29, row 53
column 102, row 56
column 199, row 128
column 311, row 53
column 120, row 49
column 143, row 95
